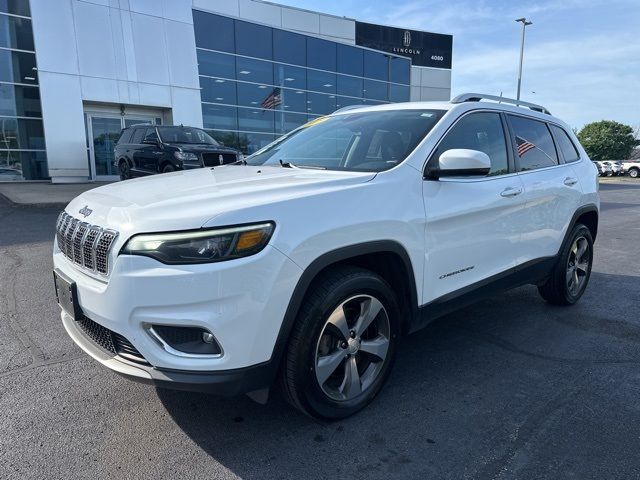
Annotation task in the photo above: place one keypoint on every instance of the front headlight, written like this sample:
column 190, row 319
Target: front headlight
column 186, row 157
column 201, row 246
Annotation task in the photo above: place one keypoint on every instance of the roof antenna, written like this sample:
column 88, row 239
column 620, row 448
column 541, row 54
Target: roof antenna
column 500, row 101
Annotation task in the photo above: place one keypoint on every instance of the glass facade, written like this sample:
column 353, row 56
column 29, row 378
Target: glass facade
column 22, row 147
column 259, row 82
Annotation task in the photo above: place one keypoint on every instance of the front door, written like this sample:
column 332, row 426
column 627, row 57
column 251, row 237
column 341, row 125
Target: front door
column 103, row 130
column 473, row 224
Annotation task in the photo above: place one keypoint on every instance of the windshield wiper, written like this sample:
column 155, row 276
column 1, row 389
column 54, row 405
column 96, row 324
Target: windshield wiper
column 293, row 165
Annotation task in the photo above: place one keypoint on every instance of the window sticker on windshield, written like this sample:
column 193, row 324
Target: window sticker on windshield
column 314, row 122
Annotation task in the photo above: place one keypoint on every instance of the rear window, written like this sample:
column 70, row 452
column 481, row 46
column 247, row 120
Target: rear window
column 533, row 143
column 125, row 137
column 138, row 135
column 566, row 146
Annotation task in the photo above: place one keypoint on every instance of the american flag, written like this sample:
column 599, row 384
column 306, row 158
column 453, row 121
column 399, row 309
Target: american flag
column 273, row 99
column 523, row 146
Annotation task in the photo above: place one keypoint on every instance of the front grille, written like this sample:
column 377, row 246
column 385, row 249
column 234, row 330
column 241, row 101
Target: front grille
column 213, row 159
column 110, row 341
column 84, row 244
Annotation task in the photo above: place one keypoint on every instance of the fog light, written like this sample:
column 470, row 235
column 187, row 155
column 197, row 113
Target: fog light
column 189, row 341
column 207, row 337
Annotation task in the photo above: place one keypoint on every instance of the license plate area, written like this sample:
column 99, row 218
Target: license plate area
column 67, row 295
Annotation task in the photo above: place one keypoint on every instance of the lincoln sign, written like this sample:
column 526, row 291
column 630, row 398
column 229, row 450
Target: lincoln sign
column 423, row 48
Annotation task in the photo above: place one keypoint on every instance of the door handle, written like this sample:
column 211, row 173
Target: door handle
column 570, row 181
column 511, row 192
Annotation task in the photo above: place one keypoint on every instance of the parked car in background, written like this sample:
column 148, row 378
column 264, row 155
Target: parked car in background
column 604, row 169
column 149, row 149
column 631, row 168
column 616, row 167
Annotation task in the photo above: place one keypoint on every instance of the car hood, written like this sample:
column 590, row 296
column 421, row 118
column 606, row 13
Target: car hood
column 192, row 198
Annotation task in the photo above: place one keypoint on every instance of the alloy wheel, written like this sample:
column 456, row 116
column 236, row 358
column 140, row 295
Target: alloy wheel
column 578, row 265
column 352, row 348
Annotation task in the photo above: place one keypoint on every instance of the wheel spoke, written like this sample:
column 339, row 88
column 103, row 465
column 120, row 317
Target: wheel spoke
column 377, row 347
column 328, row 364
column 582, row 248
column 339, row 323
column 569, row 277
column 369, row 310
column 576, row 280
column 351, row 384
column 583, row 267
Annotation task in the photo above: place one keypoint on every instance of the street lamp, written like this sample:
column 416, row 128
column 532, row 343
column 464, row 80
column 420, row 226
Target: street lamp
column 524, row 22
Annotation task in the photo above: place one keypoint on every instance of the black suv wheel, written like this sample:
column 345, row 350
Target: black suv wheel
column 343, row 344
column 125, row 170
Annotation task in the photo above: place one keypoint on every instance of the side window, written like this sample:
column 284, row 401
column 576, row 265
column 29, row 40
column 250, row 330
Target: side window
column 150, row 134
column 138, row 133
column 125, row 137
column 534, row 144
column 479, row 131
column 566, row 146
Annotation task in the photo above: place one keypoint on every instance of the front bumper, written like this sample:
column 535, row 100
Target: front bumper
column 242, row 302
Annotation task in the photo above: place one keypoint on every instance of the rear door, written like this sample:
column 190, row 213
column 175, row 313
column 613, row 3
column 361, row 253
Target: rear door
column 149, row 152
column 552, row 189
column 473, row 224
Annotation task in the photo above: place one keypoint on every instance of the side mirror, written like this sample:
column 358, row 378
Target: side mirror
column 461, row 162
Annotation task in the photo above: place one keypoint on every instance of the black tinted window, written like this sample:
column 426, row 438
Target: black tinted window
column 150, row 134
column 126, row 136
column 253, row 40
column 566, row 146
column 138, row 135
column 289, row 47
column 479, row 131
column 321, row 54
column 213, row 31
column 533, row 143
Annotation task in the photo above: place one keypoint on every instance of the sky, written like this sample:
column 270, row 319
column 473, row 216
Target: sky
column 582, row 57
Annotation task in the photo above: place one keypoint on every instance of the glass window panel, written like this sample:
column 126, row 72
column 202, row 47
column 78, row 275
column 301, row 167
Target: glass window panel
column 21, row 133
column 285, row 122
column 218, row 90
column 534, row 144
column 17, row 7
column 400, row 70
column 227, row 139
column 347, row 101
column 23, row 165
column 252, row 142
column 291, row 77
column 19, row 101
column 398, row 93
column 375, row 90
column 213, row 31
column 566, row 146
column 351, row 86
column 255, row 120
column 253, row 40
column 321, row 81
column 250, row 70
column 219, row 117
column 18, row 67
column 289, row 47
column 259, row 96
column 479, row 131
column 16, row 33
column 294, row 100
column 321, row 104
column 216, row 64
column 376, row 65
column 321, row 54
column 350, row 60
column 138, row 134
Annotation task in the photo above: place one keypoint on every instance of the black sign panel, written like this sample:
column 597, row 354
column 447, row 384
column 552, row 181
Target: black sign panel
column 424, row 48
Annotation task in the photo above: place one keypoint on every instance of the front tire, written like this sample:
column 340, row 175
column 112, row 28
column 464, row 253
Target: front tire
column 634, row 173
column 168, row 168
column 570, row 275
column 124, row 170
column 343, row 344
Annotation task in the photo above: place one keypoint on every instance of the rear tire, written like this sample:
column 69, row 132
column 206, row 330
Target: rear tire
column 343, row 344
column 124, row 170
column 168, row 168
column 571, row 273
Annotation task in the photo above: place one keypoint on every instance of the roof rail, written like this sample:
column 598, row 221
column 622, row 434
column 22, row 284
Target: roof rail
column 476, row 97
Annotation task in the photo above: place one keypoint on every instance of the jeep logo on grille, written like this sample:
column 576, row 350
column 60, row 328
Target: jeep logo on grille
column 86, row 211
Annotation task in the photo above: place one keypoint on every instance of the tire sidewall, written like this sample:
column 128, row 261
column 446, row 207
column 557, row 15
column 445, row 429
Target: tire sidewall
column 316, row 400
column 125, row 171
column 578, row 231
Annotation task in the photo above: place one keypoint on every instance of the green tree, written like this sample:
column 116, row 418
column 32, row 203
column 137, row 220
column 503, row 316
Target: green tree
column 607, row 140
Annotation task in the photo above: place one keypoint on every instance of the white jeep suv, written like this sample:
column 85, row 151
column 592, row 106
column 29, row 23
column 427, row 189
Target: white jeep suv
column 308, row 261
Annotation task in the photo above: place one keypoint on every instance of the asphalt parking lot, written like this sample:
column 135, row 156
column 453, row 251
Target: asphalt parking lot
column 508, row 388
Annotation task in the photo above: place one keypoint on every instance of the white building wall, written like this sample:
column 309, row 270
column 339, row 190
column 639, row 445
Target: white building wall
column 120, row 52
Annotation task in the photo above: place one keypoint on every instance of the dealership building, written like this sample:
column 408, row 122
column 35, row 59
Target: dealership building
column 73, row 73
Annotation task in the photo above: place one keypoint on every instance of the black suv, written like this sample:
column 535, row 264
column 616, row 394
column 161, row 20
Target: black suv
column 148, row 149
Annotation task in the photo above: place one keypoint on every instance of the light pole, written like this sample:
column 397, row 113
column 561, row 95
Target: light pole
column 524, row 22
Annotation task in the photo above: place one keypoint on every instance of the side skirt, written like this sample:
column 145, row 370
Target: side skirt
column 532, row 272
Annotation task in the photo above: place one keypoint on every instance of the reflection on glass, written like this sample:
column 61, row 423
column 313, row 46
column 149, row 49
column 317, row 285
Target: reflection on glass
column 216, row 64
column 351, row 86
column 253, row 40
column 255, row 120
column 218, row 90
column 16, row 33
column 399, row 70
column 219, row 117
column 289, row 47
column 350, row 60
column 16, row 100
column 16, row 166
column 321, row 54
column 321, row 81
column 321, row 104
column 290, row 77
column 398, row 93
column 18, row 67
column 374, row 90
column 213, row 31
column 285, row 122
column 105, row 134
column 250, row 70
column 252, row 142
column 376, row 65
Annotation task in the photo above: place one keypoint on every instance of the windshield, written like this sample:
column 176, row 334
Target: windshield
column 366, row 141
column 185, row 135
